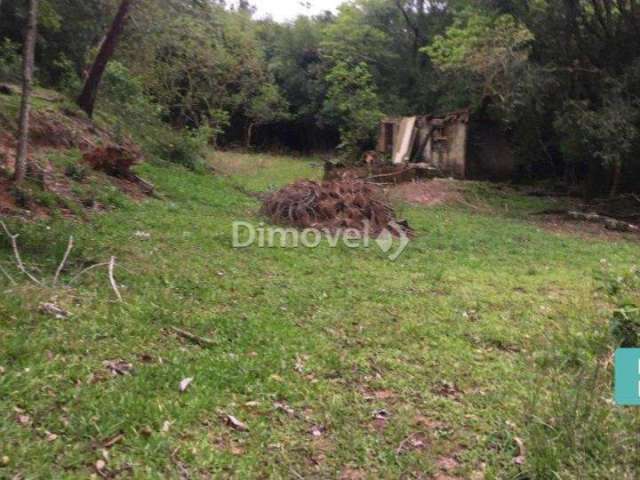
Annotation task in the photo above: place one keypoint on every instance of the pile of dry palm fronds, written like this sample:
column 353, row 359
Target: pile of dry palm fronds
column 332, row 205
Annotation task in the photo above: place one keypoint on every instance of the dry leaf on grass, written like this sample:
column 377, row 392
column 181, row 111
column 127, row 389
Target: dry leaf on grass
column 118, row 367
column 415, row 441
column 184, row 384
column 24, row 419
column 100, row 465
column 447, row 463
column 521, row 457
column 283, row 407
column 448, row 390
column 236, row 424
column 110, row 442
column 54, row 310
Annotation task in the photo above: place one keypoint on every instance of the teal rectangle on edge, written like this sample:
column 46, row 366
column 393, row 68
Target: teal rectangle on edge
column 627, row 376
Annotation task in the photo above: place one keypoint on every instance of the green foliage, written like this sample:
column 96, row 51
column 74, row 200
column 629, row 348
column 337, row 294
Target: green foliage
column 625, row 326
column 187, row 148
column 492, row 48
column 624, row 291
column 607, row 134
column 10, row 61
column 563, row 81
column 267, row 106
column 353, row 104
column 68, row 79
column 77, row 172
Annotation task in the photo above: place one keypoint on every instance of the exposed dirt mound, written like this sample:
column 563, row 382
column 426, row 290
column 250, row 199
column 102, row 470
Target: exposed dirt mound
column 113, row 160
column 334, row 205
column 432, row 192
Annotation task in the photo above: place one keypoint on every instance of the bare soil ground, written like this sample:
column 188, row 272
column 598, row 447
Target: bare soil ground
column 429, row 192
column 557, row 223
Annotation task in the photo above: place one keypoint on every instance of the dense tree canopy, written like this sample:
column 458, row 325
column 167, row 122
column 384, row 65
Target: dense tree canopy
column 561, row 77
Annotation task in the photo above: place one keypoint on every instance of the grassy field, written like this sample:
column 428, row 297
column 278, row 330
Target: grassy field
column 482, row 352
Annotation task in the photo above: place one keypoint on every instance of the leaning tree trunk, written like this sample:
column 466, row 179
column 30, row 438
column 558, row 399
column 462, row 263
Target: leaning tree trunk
column 87, row 98
column 27, row 86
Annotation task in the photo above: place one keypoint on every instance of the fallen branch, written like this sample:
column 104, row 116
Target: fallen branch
column 112, row 264
column 203, row 342
column 64, row 261
column 16, row 253
column 608, row 222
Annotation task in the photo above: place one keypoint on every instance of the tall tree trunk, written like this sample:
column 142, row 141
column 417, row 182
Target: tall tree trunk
column 249, row 136
column 616, row 178
column 27, row 86
column 87, row 99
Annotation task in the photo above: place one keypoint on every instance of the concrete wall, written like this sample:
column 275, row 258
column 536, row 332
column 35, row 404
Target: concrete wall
column 449, row 149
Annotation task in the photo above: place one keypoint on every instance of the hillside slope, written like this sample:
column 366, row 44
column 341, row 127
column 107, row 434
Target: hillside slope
column 79, row 164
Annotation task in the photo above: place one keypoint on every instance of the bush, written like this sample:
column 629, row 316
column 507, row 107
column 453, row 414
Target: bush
column 188, row 148
column 624, row 291
column 76, row 172
column 132, row 110
column 625, row 326
column 10, row 62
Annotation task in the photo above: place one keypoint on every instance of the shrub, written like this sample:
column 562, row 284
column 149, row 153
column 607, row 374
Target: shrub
column 625, row 326
column 76, row 172
column 624, row 291
column 10, row 62
column 188, row 148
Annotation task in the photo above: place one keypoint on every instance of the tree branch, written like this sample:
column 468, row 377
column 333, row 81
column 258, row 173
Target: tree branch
column 114, row 285
column 64, row 261
column 16, row 253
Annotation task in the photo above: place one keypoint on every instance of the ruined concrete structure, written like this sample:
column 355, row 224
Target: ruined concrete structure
column 451, row 143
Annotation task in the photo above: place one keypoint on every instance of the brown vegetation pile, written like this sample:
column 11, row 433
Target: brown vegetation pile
column 333, row 205
column 114, row 160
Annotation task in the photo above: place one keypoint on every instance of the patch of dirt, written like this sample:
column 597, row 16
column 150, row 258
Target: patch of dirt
column 7, row 201
column 349, row 473
column 429, row 192
column 378, row 172
column 558, row 223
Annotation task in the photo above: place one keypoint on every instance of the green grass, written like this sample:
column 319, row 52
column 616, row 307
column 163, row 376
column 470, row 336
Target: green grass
column 488, row 330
